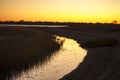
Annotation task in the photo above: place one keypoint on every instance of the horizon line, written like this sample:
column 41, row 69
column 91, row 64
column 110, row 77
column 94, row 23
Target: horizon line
column 61, row 21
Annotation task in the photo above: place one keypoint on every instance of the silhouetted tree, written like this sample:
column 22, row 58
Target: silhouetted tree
column 114, row 22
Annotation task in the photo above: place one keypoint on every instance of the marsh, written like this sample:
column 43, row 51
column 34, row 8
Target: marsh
column 21, row 48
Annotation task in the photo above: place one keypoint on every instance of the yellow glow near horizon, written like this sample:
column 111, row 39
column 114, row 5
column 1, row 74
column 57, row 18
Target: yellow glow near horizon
column 60, row 10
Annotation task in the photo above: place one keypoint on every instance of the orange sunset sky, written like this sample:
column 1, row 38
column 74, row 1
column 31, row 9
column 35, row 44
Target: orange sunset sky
column 104, row 11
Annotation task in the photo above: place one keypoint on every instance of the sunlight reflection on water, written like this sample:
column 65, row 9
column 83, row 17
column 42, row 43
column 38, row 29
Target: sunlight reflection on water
column 66, row 60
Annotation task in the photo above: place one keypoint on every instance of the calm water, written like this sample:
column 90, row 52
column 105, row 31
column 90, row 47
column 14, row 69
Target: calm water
column 7, row 25
column 66, row 60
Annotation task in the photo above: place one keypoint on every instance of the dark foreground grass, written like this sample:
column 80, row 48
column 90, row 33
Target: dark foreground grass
column 21, row 48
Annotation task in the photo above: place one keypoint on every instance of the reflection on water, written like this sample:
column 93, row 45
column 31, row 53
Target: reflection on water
column 66, row 59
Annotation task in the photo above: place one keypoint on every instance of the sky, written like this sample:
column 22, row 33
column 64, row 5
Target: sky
column 104, row 11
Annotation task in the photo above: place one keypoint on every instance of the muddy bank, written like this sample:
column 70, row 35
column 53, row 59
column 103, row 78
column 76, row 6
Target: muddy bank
column 100, row 64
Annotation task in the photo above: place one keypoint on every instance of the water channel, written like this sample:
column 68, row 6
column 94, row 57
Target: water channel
column 63, row 62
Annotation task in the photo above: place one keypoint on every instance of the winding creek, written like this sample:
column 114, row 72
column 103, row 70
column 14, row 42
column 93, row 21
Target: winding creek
column 63, row 62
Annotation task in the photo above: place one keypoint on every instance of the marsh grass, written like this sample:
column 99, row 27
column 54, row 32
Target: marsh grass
column 100, row 43
column 22, row 48
column 94, row 27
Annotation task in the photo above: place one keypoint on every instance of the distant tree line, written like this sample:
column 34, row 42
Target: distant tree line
column 33, row 23
column 22, row 22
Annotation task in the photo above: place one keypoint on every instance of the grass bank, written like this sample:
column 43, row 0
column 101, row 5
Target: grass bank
column 21, row 48
column 100, row 43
